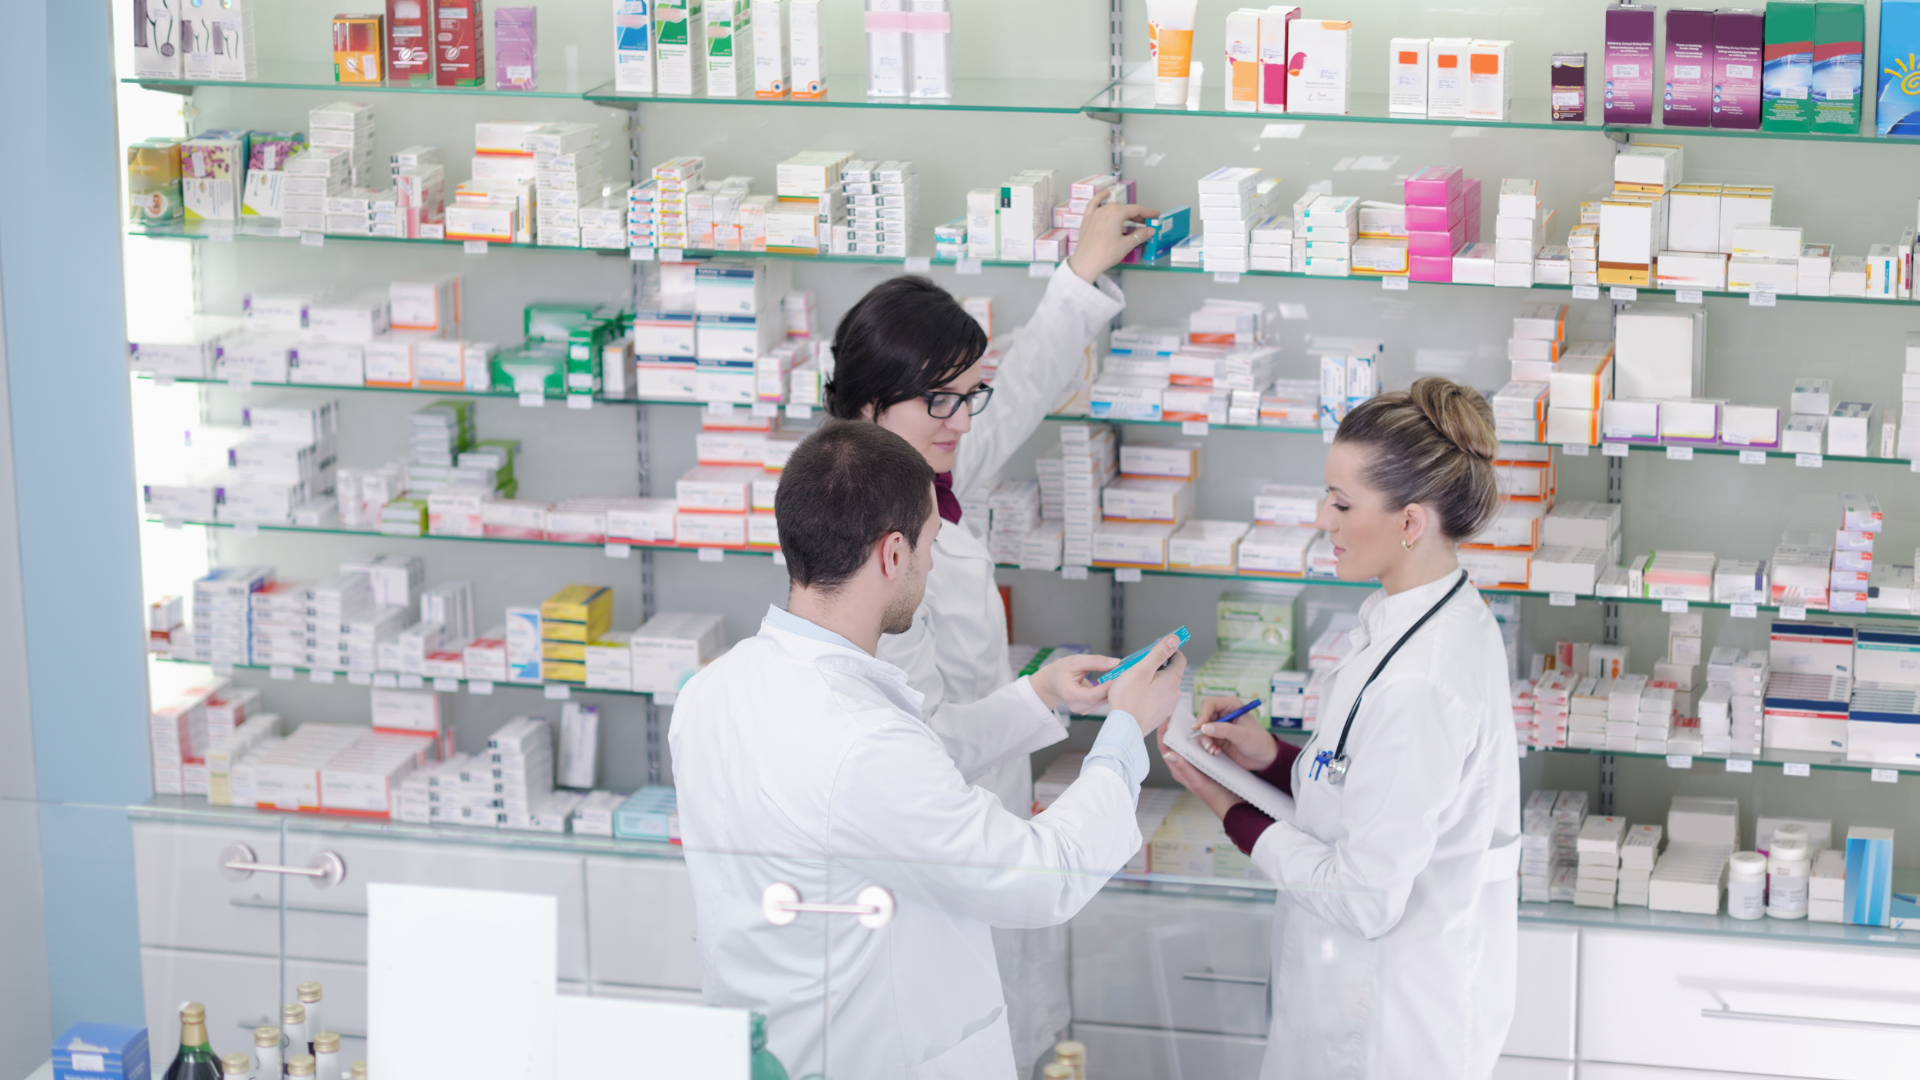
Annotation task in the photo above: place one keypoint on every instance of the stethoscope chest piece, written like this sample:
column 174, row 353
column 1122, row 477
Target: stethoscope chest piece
column 1334, row 767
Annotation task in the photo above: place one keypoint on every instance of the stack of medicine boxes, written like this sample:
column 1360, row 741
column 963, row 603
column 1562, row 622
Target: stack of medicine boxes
column 1731, row 709
column 1691, row 875
column 672, row 180
column 1599, row 867
column 1633, row 219
column 1089, row 461
column 1637, row 854
column 809, row 203
column 520, row 756
column 1883, row 723
column 1809, row 686
column 1860, row 523
column 1229, row 207
column 882, row 206
column 347, row 127
column 222, row 612
column 1680, row 670
column 1331, row 225
column 671, row 647
column 1519, row 232
column 569, row 619
column 1438, row 221
column 566, row 177
column 1015, row 505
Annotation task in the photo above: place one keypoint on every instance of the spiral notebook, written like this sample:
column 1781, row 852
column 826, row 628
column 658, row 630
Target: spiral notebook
column 1182, row 739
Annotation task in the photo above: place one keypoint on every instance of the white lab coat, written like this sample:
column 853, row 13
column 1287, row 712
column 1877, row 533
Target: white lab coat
column 1393, row 947
column 956, row 652
column 807, row 762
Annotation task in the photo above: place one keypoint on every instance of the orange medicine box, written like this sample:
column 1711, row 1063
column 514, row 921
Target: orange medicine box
column 359, row 48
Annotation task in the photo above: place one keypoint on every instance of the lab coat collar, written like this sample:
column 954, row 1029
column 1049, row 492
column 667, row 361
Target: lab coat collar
column 830, row 652
column 1385, row 618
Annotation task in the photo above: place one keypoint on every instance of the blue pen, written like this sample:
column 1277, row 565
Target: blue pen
column 1231, row 717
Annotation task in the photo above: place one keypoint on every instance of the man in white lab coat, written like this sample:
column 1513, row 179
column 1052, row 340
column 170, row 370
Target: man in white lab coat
column 802, row 760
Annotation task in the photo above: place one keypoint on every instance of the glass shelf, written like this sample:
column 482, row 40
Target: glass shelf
column 1736, row 451
column 340, row 530
column 1136, row 98
column 1674, row 922
column 1771, row 758
column 318, row 75
column 391, row 679
column 502, row 395
column 1063, row 97
column 1865, row 136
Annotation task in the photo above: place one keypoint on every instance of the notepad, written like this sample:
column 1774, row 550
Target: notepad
column 1182, row 739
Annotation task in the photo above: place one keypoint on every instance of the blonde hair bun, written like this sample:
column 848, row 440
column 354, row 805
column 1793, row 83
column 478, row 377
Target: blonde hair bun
column 1459, row 413
column 1434, row 444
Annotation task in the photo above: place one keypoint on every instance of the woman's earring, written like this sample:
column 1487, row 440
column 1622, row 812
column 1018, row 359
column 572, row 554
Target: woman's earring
column 1406, row 545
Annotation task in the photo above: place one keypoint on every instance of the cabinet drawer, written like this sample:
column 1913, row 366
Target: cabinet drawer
column 186, row 903
column 1121, row 1053
column 1651, row 999
column 1195, row 965
column 1547, row 959
column 641, row 912
column 331, row 924
column 1526, row 1068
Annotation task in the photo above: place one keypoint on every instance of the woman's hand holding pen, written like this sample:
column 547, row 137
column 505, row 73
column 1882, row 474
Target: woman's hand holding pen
column 1245, row 740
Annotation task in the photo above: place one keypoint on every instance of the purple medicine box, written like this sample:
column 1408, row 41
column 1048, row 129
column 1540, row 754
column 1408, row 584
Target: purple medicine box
column 1739, row 39
column 515, row 44
column 1628, row 78
column 1686, row 98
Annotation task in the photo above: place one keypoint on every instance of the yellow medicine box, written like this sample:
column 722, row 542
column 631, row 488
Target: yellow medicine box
column 589, row 605
column 563, row 671
column 563, row 650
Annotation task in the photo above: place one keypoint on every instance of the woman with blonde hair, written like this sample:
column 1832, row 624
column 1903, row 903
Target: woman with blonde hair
column 1393, row 946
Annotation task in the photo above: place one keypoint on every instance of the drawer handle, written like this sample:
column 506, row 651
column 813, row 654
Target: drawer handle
column 309, row 909
column 1809, row 1021
column 325, row 869
column 1208, row 976
column 781, row 905
column 249, row 1025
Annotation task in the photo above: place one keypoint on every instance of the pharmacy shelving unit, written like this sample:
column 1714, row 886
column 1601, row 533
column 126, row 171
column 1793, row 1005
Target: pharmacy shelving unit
column 1113, row 115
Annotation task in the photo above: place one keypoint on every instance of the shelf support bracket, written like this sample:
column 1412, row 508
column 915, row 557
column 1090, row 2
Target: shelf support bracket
column 1117, row 615
column 169, row 88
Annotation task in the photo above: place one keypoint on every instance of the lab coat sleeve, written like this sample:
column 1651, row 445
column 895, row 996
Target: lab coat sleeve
column 1405, row 771
column 980, row 734
column 1033, row 376
column 901, row 812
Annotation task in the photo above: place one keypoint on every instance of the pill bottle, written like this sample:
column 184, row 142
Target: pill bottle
column 1747, row 885
column 1788, row 870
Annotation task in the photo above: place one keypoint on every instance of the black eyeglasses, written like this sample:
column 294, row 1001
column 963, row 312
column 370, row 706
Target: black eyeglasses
column 942, row 404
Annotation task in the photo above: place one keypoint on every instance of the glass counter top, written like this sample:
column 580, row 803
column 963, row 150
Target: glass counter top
column 1675, row 922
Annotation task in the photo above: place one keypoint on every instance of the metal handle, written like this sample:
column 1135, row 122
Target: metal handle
column 325, row 869
column 308, row 909
column 249, row 1025
column 781, row 905
column 1208, row 976
column 1806, row 1021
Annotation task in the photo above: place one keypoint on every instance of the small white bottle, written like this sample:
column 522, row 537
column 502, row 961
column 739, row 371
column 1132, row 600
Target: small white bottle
column 358, row 1070
column 308, row 995
column 326, row 1055
column 266, row 1053
column 293, row 1025
column 1747, row 885
column 1788, row 872
column 300, row 1066
column 236, row 1066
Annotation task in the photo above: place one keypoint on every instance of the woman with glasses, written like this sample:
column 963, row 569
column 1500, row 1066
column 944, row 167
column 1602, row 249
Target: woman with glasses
column 908, row 357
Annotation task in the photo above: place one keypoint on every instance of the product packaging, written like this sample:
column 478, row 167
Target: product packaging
column 930, row 44
column 154, row 193
column 1318, row 74
column 1275, row 22
column 1447, row 77
column 633, row 46
column 1407, row 76
column 1688, row 97
column 1170, row 41
column 1786, row 81
column 218, row 41
column 805, row 50
column 771, row 74
column 1738, row 45
column 1629, row 83
column 1243, row 60
column 410, row 42
column 1839, row 47
column 459, row 42
column 516, row 42
column 1569, row 88
column 156, row 41
column 681, row 26
column 889, row 64
column 1489, row 90
column 359, row 49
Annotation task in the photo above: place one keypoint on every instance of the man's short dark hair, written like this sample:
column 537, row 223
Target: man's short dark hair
column 846, row 487
column 905, row 337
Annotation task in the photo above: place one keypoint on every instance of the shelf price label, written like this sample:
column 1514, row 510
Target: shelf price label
column 360, row 678
column 313, row 239
column 413, row 682
column 533, row 399
column 246, row 529
column 1193, row 427
column 1808, row 461
column 1753, row 457
column 1793, row 614
column 320, row 675
column 1586, row 292
column 1073, row 573
column 1679, row 761
column 1690, row 296
column 557, row 691
column 1743, row 611
column 779, row 557
column 1760, row 298
column 446, row 686
column 1886, row 776
column 1620, row 449
column 483, row 687
column 1326, row 436
column 640, row 254
column 240, row 386
column 475, row 247
column 1127, row 575
column 918, row 264
column 1739, row 765
column 1042, row 270
column 1393, row 283
column 1226, row 277
column 1679, row 453
column 1623, row 292
column 619, row 551
column 1912, row 466
column 799, row 412
column 1574, row 449
column 385, row 680
column 1560, row 599
column 580, row 401
column 713, row 555
column 673, row 255
column 968, row 267
column 222, row 670
column 766, row 410
column 1797, row 768
column 1674, row 607
column 281, row 672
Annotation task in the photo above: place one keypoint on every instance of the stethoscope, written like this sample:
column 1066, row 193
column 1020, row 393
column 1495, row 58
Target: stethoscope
column 1335, row 762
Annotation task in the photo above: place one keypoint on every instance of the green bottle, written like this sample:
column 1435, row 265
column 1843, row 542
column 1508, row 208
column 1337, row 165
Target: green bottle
column 765, row 1065
column 196, row 1059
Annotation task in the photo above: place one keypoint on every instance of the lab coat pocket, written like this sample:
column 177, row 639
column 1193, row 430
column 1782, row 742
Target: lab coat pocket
column 987, row 1052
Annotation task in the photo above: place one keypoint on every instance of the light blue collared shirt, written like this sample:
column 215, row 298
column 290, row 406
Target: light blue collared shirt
column 794, row 624
column 1120, row 747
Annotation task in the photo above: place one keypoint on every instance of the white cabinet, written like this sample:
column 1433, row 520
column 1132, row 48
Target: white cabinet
column 1601, row 1071
column 1526, row 1068
column 1743, row 1005
column 1123, row 1053
column 641, row 911
column 185, row 902
column 1548, row 963
column 1162, row 962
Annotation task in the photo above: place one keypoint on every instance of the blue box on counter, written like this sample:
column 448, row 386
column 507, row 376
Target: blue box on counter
column 101, row 1052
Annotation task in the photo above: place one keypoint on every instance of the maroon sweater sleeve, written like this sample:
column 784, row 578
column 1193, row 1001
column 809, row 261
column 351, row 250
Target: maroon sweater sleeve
column 1244, row 822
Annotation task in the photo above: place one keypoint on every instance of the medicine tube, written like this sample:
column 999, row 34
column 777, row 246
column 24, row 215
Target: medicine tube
column 1788, row 871
column 1747, row 885
column 266, row 1052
